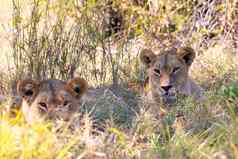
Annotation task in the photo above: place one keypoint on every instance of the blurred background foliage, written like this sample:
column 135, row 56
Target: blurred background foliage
column 100, row 40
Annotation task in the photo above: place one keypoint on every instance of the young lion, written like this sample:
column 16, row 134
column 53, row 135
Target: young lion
column 50, row 99
column 168, row 74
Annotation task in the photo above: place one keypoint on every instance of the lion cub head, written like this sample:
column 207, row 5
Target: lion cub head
column 50, row 99
column 167, row 71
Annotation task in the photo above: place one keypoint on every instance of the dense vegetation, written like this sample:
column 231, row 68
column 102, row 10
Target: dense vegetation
column 100, row 41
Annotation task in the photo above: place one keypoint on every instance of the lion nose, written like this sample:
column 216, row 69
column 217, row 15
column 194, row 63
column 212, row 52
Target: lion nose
column 166, row 88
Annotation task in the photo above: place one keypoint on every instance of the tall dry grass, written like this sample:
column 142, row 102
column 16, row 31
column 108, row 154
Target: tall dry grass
column 53, row 39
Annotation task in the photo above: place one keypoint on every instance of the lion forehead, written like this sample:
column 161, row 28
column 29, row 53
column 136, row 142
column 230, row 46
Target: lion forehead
column 167, row 59
column 54, row 89
column 51, row 85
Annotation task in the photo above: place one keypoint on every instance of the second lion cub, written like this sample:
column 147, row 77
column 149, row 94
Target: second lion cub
column 168, row 74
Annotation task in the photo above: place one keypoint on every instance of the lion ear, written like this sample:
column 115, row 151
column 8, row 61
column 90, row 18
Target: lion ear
column 147, row 57
column 28, row 89
column 77, row 86
column 187, row 54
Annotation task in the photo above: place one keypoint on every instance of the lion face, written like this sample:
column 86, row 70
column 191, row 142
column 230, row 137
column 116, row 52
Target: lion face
column 50, row 99
column 167, row 71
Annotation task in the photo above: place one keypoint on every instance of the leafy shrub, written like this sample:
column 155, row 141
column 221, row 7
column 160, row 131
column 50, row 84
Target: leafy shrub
column 230, row 92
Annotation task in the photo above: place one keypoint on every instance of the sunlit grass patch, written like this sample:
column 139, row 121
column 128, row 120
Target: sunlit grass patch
column 208, row 131
column 215, row 66
column 20, row 140
column 46, row 140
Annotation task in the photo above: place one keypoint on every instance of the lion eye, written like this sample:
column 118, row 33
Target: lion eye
column 42, row 107
column 157, row 71
column 176, row 69
column 77, row 89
